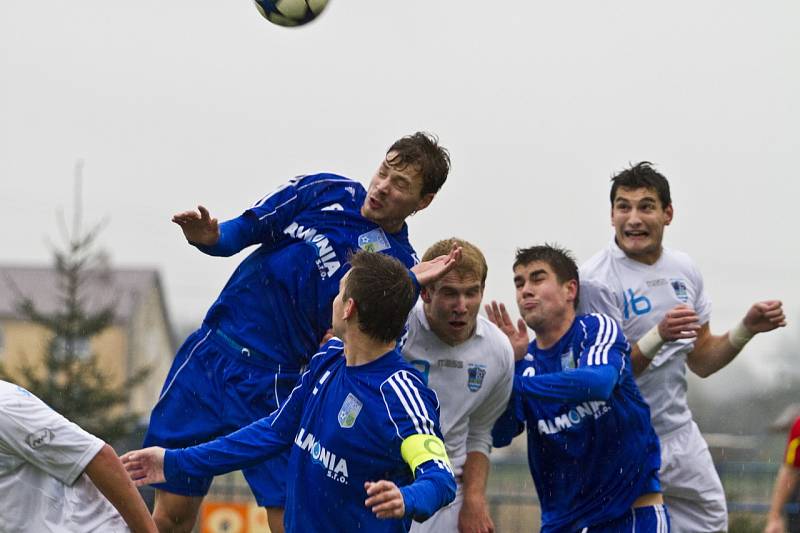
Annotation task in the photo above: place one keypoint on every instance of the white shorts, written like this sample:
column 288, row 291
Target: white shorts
column 445, row 520
column 692, row 490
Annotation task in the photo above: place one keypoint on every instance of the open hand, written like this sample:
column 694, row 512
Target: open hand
column 498, row 315
column 198, row 226
column 145, row 466
column 428, row 272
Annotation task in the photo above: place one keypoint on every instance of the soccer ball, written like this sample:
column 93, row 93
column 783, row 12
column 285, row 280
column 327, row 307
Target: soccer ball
column 290, row 12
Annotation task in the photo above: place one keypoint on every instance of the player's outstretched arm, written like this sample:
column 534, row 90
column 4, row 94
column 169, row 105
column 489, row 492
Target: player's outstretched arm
column 713, row 352
column 108, row 475
column 518, row 335
column 198, row 226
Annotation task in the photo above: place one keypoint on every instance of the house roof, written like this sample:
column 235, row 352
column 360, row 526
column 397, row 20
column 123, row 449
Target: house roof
column 121, row 288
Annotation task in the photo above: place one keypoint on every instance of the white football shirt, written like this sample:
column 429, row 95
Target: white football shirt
column 473, row 381
column 42, row 459
column 641, row 295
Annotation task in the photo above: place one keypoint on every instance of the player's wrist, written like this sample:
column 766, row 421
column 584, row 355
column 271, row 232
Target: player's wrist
column 650, row 343
column 739, row 335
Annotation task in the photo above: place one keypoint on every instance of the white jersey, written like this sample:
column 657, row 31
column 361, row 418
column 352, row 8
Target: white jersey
column 42, row 459
column 639, row 295
column 473, row 381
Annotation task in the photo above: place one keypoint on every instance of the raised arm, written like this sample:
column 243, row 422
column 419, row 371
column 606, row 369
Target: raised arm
column 713, row 352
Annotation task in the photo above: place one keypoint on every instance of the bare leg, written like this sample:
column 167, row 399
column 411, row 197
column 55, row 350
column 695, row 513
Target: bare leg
column 175, row 513
column 275, row 519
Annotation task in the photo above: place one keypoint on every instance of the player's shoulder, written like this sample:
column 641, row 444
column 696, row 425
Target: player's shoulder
column 597, row 325
column 795, row 431
column 328, row 354
column 12, row 394
column 498, row 345
column 326, row 180
column 596, row 265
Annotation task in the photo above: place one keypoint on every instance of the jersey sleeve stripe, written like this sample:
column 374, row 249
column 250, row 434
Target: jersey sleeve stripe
column 328, row 180
column 612, row 337
column 262, row 217
column 590, row 358
column 393, row 382
column 419, row 404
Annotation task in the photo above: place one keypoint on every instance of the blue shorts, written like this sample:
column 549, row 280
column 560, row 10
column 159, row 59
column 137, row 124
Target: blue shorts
column 214, row 388
column 651, row 519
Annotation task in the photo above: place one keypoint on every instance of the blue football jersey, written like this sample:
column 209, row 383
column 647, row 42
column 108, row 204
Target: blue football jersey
column 353, row 423
column 278, row 300
column 589, row 460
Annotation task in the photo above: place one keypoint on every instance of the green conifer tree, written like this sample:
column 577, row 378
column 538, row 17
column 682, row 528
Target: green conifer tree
column 70, row 378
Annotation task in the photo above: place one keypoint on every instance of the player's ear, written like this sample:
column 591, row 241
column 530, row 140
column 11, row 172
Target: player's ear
column 571, row 288
column 425, row 294
column 425, row 201
column 349, row 309
column 668, row 214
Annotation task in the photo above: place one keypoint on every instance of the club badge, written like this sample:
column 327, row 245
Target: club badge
column 373, row 241
column 475, row 375
column 349, row 411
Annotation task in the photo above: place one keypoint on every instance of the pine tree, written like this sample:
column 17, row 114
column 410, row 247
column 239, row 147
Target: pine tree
column 69, row 378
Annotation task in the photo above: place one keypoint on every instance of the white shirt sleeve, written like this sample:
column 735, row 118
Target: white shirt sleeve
column 481, row 421
column 44, row 438
column 597, row 297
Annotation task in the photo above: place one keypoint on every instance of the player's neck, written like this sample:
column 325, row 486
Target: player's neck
column 547, row 335
column 360, row 349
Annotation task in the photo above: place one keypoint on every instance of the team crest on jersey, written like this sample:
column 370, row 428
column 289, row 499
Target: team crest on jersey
column 373, row 241
column 475, row 375
column 349, row 411
column 680, row 289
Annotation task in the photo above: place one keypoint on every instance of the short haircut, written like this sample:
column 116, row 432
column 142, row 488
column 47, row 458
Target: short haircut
column 423, row 151
column 472, row 261
column 559, row 259
column 383, row 293
column 642, row 175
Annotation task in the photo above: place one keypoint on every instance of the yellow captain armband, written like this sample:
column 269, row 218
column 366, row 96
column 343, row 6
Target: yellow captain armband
column 418, row 449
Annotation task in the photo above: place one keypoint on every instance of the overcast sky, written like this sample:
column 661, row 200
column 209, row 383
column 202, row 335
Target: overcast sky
column 171, row 104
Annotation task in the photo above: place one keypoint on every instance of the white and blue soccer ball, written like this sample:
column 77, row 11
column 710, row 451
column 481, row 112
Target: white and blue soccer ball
column 290, row 12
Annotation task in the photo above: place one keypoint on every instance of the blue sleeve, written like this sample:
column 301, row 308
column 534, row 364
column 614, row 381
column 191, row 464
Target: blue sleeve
column 432, row 489
column 248, row 446
column 579, row 385
column 510, row 424
column 265, row 222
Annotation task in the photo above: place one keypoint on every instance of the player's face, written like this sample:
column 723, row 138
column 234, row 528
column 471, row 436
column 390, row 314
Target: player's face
column 452, row 305
column 394, row 193
column 639, row 220
column 541, row 298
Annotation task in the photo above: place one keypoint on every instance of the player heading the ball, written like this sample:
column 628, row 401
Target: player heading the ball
column 276, row 308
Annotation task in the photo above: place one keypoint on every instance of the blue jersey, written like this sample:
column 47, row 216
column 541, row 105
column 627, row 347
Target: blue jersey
column 346, row 425
column 591, row 448
column 278, row 300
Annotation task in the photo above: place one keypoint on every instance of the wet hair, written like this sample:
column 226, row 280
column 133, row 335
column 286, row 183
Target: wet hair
column 642, row 176
column 383, row 293
column 472, row 261
column 422, row 150
column 559, row 259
